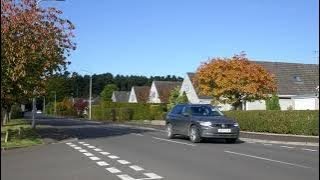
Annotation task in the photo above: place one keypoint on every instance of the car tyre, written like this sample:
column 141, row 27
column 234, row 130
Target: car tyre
column 232, row 140
column 170, row 134
column 194, row 134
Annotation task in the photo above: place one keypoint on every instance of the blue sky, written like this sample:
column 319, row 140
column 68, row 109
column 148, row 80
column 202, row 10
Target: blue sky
column 161, row 37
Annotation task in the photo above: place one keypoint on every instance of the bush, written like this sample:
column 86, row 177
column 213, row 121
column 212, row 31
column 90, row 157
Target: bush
column 283, row 122
column 272, row 103
column 128, row 111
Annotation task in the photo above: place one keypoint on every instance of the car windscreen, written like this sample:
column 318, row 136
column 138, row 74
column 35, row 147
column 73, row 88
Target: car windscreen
column 205, row 111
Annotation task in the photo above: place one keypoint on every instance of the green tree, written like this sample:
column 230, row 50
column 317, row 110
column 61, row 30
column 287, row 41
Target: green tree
column 106, row 94
column 273, row 103
column 175, row 98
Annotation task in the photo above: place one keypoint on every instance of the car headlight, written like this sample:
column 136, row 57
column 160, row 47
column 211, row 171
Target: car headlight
column 236, row 124
column 205, row 123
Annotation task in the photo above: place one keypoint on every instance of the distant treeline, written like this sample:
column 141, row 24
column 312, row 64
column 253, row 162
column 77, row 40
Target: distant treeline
column 75, row 85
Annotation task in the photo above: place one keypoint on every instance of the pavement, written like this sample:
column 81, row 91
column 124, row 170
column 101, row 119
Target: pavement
column 91, row 150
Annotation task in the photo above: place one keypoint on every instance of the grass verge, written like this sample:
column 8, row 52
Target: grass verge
column 20, row 134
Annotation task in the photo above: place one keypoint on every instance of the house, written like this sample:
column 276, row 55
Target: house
column 297, row 87
column 120, row 96
column 139, row 94
column 160, row 91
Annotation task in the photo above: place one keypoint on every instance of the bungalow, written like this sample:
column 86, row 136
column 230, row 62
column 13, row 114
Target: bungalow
column 297, row 87
column 120, row 96
column 139, row 94
column 160, row 91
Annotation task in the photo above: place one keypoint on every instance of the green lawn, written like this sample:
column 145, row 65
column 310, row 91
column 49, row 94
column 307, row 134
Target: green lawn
column 20, row 134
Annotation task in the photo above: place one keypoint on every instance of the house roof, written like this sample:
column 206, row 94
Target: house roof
column 121, row 96
column 293, row 78
column 142, row 93
column 164, row 89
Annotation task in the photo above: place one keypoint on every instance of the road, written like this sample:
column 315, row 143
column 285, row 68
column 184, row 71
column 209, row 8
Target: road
column 121, row 152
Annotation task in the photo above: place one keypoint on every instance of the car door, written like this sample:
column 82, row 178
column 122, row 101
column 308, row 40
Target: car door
column 185, row 120
column 175, row 118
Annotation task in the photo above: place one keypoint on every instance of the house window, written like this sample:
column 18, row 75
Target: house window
column 297, row 78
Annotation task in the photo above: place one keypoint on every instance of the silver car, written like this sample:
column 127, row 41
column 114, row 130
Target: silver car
column 200, row 121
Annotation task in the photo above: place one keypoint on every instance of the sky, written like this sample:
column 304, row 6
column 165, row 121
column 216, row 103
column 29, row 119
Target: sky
column 172, row 37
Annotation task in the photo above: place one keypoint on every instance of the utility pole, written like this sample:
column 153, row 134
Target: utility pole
column 34, row 108
column 90, row 96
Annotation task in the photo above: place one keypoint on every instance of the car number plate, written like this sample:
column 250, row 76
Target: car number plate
column 224, row 130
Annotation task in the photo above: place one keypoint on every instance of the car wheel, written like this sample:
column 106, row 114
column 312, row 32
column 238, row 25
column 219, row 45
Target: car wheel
column 170, row 133
column 194, row 134
column 232, row 140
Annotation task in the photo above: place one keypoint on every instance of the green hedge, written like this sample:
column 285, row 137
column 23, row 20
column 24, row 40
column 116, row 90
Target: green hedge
column 128, row 111
column 284, row 122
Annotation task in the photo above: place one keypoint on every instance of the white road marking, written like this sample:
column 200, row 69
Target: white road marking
column 266, row 159
column 97, row 149
column 77, row 147
column 102, row 163
column 267, row 144
column 308, row 149
column 174, row 141
column 104, row 153
column 69, row 143
column 137, row 134
column 72, row 145
column 94, row 158
column 289, row 147
column 126, row 177
column 88, row 154
column 81, row 142
column 91, row 147
column 86, row 144
column 136, row 168
column 123, row 162
column 113, row 170
column 152, row 176
column 113, row 157
column 82, row 150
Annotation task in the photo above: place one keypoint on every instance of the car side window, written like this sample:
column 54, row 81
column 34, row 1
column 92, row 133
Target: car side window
column 177, row 109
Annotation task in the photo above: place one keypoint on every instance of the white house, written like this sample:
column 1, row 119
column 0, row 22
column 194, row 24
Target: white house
column 120, row 96
column 297, row 87
column 139, row 94
column 160, row 91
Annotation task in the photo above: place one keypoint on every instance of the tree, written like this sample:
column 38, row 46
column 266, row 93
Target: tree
column 34, row 45
column 106, row 94
column 233, row 80
column 176, row 98
column 80, row 105
column 272, row 103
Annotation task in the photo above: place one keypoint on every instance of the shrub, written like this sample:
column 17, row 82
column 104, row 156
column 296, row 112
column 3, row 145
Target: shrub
column 284, row 122
column 272, row 103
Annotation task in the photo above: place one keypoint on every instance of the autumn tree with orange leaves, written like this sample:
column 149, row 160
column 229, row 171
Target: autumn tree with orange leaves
column 35, row 42
column 233, row 80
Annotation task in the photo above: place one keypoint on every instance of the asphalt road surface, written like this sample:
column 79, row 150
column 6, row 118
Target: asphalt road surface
column 116, row 152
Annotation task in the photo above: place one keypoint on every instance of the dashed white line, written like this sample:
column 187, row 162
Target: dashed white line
column 113, row 157
column 289, row 147
column 113, row 170
column 266, row 159
column 126, row 177
column 308, row 149
column 137, row 134
column 81, row 142
column 97, row 149
column 136, row 168
column 72, row 145
column 69, row 143
column 88, row 154
column 153, row 175
column 94, row 158
column 91, row 147
column 86, row 144
column 102, row 163
column 105, row 153
column 82, row 150
column 174, row 141
column 123, row 162
column 77, row 147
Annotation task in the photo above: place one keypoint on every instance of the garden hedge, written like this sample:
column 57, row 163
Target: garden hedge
column 274, row 121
